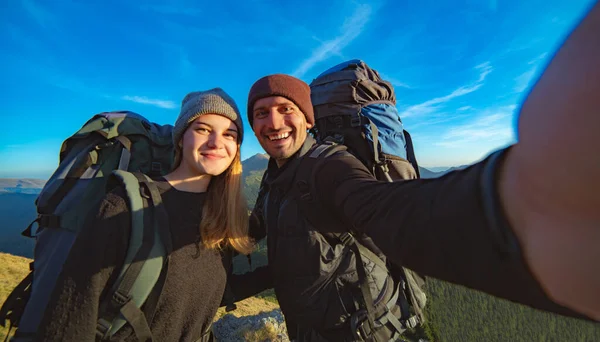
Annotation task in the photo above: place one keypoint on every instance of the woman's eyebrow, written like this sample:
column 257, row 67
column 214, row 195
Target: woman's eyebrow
column 201, row 123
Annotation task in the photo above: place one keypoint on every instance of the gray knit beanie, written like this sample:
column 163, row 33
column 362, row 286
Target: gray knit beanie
column 213, row 101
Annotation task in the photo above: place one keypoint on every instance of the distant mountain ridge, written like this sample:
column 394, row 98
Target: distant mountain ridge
column 257, row 162
column 21, row 186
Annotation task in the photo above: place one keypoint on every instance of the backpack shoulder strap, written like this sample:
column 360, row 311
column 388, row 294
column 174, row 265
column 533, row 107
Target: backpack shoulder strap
column 410, row 153
column 308, row 168
column 149, row 245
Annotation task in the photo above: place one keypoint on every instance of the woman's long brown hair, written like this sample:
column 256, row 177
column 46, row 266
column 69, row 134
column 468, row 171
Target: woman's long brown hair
column 225, row 212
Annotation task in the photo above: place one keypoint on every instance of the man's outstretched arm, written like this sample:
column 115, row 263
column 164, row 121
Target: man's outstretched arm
column 535, row 241
column 549, row 183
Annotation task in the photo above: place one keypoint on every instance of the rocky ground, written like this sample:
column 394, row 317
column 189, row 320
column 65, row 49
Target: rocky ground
column 255, row 319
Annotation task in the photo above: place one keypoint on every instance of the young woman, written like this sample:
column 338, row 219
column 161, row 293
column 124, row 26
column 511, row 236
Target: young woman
column 208, row 220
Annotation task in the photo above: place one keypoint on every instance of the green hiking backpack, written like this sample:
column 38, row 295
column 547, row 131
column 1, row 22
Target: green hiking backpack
column 92, row 161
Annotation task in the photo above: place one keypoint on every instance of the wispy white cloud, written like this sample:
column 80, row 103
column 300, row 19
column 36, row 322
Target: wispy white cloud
column 538, row 59
column 484, row 70
column 153, row 102
column 432, row 105
column 427, row 122
column 523, row 81
column 491, row 125
column 463, row 108
column 395, row 82
column 352, row 28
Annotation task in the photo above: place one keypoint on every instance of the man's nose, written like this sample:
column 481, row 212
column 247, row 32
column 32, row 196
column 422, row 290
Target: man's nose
column 275, row 120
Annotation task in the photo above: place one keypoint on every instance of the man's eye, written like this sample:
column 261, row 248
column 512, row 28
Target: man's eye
column 202, row 130
column 288, row 109
column 230, row 136
column 260, row 114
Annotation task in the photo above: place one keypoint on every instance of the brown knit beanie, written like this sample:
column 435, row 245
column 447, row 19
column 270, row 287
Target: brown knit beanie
column 287, row 86
column 213, row 101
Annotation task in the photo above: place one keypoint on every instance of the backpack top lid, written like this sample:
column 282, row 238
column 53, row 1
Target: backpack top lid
column 350, row 84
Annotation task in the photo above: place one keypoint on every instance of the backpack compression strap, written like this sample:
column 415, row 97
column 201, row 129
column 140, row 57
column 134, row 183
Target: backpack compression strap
column 145, row 258
column 378, row 162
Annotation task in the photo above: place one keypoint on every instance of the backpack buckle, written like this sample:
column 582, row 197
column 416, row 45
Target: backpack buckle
column 357, row 326
column 347, row 239
column 120, row 299
column 412, row 322
column 102, row 328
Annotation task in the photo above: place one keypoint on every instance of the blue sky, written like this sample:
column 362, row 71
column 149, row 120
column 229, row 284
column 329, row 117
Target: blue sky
column 460, row 68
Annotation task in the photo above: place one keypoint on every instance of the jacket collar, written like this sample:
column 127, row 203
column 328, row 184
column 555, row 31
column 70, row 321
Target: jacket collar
column 288, row 170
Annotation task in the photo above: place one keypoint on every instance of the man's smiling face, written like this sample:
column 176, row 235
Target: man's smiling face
column 279, row 126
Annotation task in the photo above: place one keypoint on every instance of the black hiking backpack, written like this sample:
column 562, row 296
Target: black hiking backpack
column 355, row 110
column 111, row 149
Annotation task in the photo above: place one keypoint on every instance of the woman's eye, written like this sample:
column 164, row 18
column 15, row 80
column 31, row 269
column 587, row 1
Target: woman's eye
column 202, row 130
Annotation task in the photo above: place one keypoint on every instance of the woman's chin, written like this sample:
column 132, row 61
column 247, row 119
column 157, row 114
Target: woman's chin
column 213, row 170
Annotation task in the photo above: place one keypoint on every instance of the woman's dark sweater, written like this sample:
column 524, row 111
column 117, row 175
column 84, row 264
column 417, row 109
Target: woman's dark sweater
column 192, row 292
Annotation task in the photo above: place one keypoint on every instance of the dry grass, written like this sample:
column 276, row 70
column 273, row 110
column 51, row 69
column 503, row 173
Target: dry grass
column 12, row 271
column 248, row 307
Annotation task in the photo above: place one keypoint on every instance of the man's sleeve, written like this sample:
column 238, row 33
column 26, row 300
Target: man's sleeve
column 253, row 282
column 250, row 284
column 438, row 227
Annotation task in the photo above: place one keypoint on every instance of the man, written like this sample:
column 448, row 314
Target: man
column 523, row 224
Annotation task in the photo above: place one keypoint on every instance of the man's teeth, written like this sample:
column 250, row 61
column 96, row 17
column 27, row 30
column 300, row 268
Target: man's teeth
column 279, row 137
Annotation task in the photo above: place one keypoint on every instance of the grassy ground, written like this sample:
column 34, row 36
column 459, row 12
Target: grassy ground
column 248, row 307
column 13, row 271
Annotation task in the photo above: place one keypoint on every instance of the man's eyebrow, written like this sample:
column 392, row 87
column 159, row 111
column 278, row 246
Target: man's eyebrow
column 284, row 103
